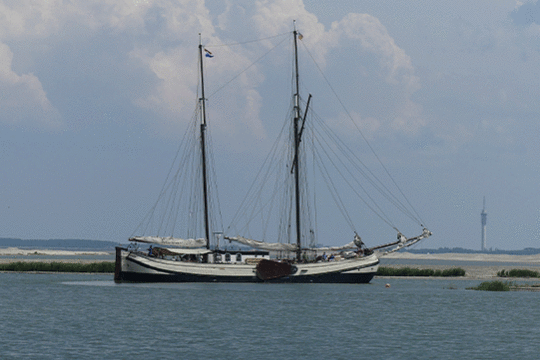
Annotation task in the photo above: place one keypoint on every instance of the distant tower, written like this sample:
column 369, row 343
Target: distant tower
column 483, row 245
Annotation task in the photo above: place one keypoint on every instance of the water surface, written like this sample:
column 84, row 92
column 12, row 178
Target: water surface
column 52, row 316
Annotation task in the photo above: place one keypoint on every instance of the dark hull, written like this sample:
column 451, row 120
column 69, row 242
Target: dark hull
column 179, row 278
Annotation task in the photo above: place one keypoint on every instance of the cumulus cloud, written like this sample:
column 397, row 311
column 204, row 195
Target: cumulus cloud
column 177, row 80
column 362, row 33
column 22, row 98
column 374, row 38
column 161, row 36
column 178, row 72
column 406, row 115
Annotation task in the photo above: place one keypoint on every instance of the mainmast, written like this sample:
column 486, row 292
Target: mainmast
column 296, row 149
column 203, row 147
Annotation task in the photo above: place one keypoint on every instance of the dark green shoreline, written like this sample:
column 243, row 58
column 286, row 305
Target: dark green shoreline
column 519, row 273
column 407, row 271
column 498, row 285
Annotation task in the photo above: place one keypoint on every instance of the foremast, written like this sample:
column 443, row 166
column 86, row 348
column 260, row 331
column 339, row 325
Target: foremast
column 296, row 163
column 203, row 148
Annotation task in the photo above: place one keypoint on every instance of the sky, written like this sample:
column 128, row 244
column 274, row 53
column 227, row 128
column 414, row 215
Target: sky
column 95, row 96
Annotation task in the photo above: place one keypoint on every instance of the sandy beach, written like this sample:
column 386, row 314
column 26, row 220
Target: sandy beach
column 494, row 263
column 13, row 254
column 12, row 251
column 530, row 259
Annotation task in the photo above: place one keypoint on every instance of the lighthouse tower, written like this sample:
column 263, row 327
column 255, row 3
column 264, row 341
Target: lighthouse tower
column 483, row 245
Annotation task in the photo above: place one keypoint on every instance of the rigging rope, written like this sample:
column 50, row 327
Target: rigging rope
column 418, row 218
column 270, row 158
column 247, row 68
column 250, row 41
column 373, row 180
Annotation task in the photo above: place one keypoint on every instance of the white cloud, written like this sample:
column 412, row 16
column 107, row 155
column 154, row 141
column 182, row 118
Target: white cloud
column 274, row 17
column 374, row 38
column 363, row 32
column 11, row 21
column 22, row 97
column 178, row 72
column 177, row 79
column 168, row 52
column 23, row 100
column 399, row 72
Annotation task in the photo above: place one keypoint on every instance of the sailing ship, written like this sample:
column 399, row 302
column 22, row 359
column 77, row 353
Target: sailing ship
column 293, row 259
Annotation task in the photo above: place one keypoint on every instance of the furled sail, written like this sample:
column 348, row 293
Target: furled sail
column 170, row 241
column 175, row 251
column 350, row 245
column 263, row 245
column 356, row 243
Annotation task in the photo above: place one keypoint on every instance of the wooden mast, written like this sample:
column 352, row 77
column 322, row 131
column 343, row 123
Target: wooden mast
column 203, row 148
column 296, row 150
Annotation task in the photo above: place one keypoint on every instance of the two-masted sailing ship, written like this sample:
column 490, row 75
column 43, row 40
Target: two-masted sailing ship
column 198, row 256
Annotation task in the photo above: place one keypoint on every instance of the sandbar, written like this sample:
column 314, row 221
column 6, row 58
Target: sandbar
column 498, row 258
column 13, row 251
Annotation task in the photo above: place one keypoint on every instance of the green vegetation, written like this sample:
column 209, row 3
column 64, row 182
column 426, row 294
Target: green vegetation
column 407, row 271
column 499, row 285
column 521, row 273
column 97, row 267
column 496, row 285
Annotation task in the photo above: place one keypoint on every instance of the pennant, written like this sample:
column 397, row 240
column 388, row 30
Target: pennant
column 300, row 36
column 208, row 54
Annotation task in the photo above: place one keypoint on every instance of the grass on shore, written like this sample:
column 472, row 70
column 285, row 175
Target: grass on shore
column 521, row 273
column 22, row 266
column 496, row 285
column 407, row 271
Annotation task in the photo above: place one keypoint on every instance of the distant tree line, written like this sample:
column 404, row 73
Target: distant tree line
column 59, row 244
column 458, row 250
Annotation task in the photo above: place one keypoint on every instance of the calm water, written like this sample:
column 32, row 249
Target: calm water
column 55, row 316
